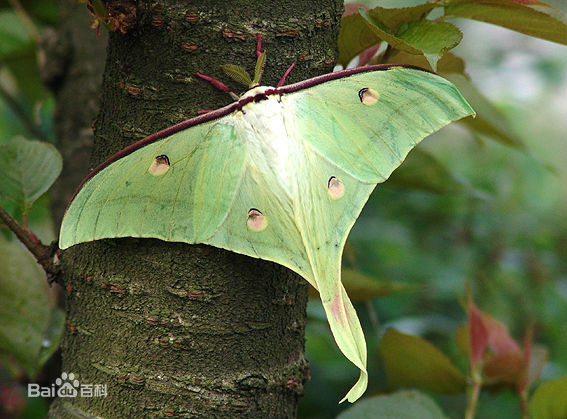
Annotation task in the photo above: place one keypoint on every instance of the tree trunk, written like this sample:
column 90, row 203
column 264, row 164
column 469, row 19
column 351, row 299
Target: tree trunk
column 175, row 330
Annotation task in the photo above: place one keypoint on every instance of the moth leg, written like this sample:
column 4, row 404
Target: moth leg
column 219, row 85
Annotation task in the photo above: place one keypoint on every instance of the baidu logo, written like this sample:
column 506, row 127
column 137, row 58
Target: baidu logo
column 67, row 386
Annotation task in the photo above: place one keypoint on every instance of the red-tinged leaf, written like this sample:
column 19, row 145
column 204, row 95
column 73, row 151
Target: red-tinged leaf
column 367, row 55
column 499, row 340
column 526, row 16
column 412, row 361
column 549, row 401
column 505, row 369
column 499, row 369
column 478, row 334
column 352, row 8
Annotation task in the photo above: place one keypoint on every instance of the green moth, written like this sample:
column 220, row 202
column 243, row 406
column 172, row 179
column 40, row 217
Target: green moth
column 281, row 174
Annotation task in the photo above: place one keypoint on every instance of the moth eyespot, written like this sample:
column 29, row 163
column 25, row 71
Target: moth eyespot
column 335, row 187
column 159, row 166
column 368, row 96
column 256, row 220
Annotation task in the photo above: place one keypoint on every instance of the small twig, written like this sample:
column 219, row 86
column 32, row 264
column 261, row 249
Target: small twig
column 373, row 316
column 524, row 404
column 472, row 400
column 473, row 390
column 42, row 253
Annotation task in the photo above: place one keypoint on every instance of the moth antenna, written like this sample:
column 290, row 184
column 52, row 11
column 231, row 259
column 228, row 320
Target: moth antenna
column 282, row 80
column 259, row 70
column 219, row 85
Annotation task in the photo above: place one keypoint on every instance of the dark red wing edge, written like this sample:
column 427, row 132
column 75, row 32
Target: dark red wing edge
column 232, row 107
column 339, row 74
column 158, row 136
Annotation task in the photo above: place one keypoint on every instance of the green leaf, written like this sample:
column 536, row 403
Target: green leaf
column 537, row 19
column 433, row 39
column 489, row 121
column 30, row 90
column 402, row 404
column 354, row 37
column 25, row 308
column 412, row 361
column 392, row 18
column 383, row 32
column 423, row 37
column 462, row 339
column 448, row 64
column 421, row 170
column 13, row 34
column 27, row 170
column 52, row 337
column 362, row 287
column 549, row 401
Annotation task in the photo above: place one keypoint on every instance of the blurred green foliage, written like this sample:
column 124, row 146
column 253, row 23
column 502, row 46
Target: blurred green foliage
column 31, row 324
column 481, row 203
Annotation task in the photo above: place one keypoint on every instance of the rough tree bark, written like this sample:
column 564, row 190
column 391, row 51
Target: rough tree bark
column 177, row 330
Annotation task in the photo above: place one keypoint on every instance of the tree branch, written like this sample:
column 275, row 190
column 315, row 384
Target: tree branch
column 42, row 253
